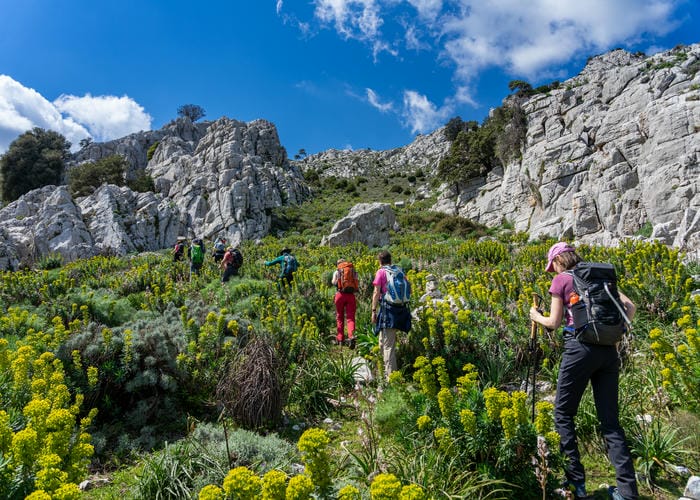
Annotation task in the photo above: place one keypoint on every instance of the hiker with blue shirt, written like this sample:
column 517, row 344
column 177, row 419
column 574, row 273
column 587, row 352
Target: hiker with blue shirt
column 390, row 312
column 583, row 361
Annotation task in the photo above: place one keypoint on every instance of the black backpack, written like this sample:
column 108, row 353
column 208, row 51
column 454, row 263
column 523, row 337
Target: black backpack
column 237, row 257
column 598, row 314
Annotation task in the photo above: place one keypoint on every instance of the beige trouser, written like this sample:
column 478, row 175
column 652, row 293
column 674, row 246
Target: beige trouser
column 387, row 344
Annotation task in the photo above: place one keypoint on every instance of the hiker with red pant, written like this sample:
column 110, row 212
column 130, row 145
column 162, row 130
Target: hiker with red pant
column 345, row 279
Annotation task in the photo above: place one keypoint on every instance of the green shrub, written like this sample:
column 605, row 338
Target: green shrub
column 85, row 178
column 151, row 150
column 646, row 230
column 52, row 260
column 475, row 151
column 178, row 471
column 33, row 160
column 142, row 183
column 139, row 379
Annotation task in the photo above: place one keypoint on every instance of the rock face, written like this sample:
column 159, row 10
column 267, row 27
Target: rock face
column 134, row 147
column 222, row 178
column 41, row 222
column 611, row 151
column 423, row 153
column 227, row 182
column 122, row 221
column 368, row 223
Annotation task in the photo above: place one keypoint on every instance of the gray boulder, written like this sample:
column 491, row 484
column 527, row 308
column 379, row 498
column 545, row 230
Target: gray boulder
column 367, row 223
column 692, row 488
column 42, row 222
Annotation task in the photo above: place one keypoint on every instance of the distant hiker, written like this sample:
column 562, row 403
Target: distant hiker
column 288, row 266
column 219, row 249
column 584, row 361
column 196, row 253
column 231, row 263
column 390, row 313
column 178, row 250
column 345, row 279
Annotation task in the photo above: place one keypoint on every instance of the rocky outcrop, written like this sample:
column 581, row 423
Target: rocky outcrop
column 43, row 221
column 228, row 182
column 134, row 147
column 367, row 223
column 610, row 152
column 217, row 179
column 122, row 221
column 424, row 153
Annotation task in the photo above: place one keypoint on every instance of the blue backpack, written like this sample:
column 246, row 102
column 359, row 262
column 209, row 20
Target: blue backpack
column 290, row 264
column 398, row 289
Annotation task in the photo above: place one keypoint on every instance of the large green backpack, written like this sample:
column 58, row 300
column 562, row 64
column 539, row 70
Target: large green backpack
column 196, row 254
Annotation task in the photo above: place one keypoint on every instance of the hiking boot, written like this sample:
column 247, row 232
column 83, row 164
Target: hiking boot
column 578, row 488
column 351, row 342
column 614, row 494
column 338, row 341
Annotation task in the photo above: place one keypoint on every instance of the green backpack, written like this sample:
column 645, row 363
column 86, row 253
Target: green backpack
column 196, row 254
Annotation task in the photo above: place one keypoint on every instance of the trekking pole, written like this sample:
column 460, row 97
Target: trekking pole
column 532, row 350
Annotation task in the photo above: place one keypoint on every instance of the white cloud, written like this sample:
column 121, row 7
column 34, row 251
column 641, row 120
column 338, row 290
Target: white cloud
column 357, row 19
column 374, row 100
column 427, row 9
column 22, row 109
column 420, row 114
column 106, row 117
column 530, row 39
column 100, row 117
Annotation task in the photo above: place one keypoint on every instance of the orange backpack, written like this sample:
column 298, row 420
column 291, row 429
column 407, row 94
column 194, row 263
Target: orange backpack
column 347, row 278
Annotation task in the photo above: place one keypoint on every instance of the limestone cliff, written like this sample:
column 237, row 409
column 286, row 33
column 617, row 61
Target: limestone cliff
column 611, row 153
column 218, row 178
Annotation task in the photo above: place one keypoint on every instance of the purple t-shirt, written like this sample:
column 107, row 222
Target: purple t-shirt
column 563, row 286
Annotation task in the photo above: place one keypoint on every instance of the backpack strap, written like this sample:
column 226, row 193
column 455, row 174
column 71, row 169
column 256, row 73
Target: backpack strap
column 619, row 307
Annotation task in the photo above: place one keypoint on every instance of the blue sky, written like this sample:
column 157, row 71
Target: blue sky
column 344, row 74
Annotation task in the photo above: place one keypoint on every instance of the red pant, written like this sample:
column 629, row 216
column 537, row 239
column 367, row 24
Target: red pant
column 345, row 305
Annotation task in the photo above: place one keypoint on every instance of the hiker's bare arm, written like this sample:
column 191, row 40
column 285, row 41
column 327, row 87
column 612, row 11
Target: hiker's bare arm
column 334, row 279
column 628, row 305
column 375, row 303
column 556, row 313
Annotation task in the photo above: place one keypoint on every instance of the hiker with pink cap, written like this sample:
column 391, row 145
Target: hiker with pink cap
column 582, row 361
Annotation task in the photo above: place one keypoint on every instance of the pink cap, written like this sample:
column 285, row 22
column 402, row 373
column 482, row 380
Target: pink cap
column 557, row 249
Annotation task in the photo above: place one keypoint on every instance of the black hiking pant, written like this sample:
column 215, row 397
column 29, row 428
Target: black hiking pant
column 229, row 270
column 599, row 364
